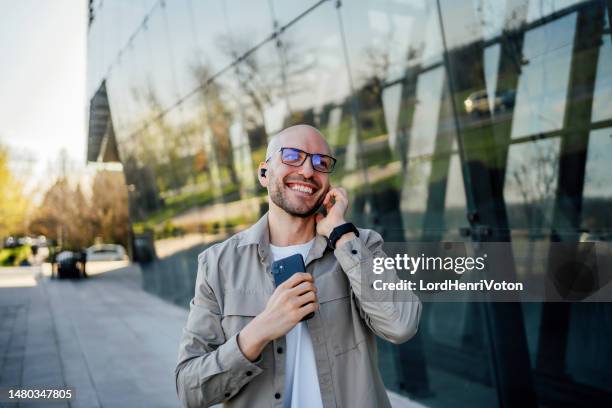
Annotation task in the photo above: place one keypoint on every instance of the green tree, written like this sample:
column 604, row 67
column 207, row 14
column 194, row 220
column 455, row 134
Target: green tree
column 13, row 201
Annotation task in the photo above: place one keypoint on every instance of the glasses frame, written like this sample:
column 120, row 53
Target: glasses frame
column 311, row 155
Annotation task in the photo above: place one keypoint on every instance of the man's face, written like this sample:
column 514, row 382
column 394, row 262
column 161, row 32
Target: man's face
column 299, row 191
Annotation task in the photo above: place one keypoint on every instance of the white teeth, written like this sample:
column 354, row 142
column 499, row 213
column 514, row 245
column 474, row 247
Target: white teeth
column 303, row 189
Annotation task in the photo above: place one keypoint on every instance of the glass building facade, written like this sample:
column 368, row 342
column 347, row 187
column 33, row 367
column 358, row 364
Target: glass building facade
column 453, row 120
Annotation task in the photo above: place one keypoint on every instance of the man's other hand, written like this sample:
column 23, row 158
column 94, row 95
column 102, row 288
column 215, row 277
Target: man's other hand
column 289, row 304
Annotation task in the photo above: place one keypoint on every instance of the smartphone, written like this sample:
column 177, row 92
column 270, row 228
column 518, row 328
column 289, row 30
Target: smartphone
column 284, row 268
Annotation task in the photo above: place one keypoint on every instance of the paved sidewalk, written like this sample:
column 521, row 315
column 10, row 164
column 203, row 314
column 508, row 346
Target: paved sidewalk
column 104, row 336
column 115, row 344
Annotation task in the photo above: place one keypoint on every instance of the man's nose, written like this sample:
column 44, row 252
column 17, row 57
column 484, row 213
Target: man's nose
column 306, row 169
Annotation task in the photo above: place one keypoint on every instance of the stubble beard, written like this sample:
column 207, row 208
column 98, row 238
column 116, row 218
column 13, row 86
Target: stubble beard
column 278, row 197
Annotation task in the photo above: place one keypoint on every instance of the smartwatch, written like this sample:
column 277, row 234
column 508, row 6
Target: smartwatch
column 339, row 231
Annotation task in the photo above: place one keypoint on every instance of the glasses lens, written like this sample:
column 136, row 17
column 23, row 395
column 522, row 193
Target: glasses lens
column 292, row 156
column 322, row 163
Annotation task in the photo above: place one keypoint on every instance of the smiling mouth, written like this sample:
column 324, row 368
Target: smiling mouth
column 301, row 188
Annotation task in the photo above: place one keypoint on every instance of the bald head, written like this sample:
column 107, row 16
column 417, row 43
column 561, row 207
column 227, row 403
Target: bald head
column 298, row 190
column 298, row 135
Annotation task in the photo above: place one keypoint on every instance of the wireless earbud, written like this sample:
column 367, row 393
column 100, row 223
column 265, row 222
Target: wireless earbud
column 262, row 172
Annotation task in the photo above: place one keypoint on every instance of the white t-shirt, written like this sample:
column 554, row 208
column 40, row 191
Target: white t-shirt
column 301, row 379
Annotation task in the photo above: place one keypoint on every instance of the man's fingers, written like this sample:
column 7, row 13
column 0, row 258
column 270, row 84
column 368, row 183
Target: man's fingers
column 296, row 279
column 308, row 308
column 338, row 193
column 341, row 194
column 306, row 286
column 306, row 298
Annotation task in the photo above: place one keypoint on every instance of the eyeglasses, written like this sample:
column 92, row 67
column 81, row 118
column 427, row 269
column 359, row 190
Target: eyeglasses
column 296, row 157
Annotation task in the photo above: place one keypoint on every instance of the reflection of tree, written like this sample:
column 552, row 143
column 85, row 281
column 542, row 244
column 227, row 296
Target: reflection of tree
column 217, row 118
column 535, row 181
column 371, row 82
column 261, row 80
column 144, row 193
column 377, row 60
column 252, row 78
column 162, row 145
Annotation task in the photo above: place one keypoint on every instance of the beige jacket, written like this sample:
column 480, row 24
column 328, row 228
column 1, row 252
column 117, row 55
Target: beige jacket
column 233, row 285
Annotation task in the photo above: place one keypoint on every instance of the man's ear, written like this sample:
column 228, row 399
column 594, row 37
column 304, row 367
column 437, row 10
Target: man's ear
column 262, row 174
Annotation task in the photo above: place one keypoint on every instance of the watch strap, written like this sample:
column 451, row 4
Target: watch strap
column 339, row 231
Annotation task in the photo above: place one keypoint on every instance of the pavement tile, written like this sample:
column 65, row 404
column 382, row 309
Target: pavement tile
column 104, row 336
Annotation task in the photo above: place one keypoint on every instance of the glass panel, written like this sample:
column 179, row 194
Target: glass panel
column 531, row 184
column 249, row 22
column 210, row 52
column 541, row 8
column 597, row 193
column 542, row 88
column 182, row 37
column 426, row 113
column 602, row 97
column 164, row 91
column 317, row 89
column 121, row 100
column 286, row 10
column 455, row 202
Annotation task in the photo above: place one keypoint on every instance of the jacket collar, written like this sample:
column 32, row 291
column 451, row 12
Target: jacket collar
column 259, row 234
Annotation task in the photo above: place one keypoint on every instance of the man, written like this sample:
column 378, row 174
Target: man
column 244, row 344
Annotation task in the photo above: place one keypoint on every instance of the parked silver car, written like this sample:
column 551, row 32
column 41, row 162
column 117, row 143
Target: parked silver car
column 106, row 252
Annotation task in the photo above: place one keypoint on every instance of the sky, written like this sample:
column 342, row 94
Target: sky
column 42, row 82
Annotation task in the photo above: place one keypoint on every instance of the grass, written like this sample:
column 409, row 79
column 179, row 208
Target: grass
column 177, row 205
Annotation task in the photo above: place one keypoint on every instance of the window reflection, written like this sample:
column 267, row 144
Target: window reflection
column 426, row 113
column 597, row 191
column 542, row 87
column 531, row 183
column 491, row 69
column 165, row 92
column 455, row 202
column 602, row 96
column 541, row 8
column 183, row 50
column 394, row 111
column 209, row 27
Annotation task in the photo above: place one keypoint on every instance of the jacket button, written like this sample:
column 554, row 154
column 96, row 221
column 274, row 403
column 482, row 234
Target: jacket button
column 248, row 373
column 354, row 251
column 279, row 350
column 277, row 395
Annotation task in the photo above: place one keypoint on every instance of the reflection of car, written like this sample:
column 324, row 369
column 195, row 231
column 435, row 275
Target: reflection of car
column 106, row 252
column 71, row 264
column 477, row 103
column 595, row 236
column 10, row 242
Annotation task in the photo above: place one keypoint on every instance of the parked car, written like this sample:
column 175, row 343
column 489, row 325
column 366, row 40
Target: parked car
column 71, row 264
column 106, row 252
column 14, row 251
column 477, row 103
